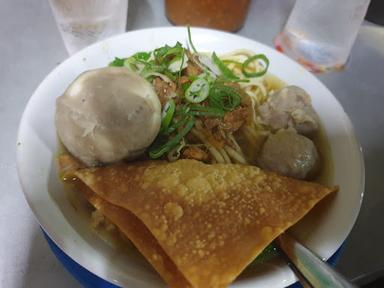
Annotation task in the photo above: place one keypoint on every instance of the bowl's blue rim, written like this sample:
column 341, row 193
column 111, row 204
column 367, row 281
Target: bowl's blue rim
column 89, row 280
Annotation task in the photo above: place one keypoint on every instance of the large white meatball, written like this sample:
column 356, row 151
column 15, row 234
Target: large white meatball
column 107, row 115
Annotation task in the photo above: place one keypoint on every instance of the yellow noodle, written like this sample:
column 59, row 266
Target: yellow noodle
column 235, row 155
column 225, row 155
column 214, row 153
column 234, row 143
column 257, row 91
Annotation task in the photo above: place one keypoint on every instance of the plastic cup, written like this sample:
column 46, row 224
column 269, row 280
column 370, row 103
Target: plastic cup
column 320, row 33
column 83, row 22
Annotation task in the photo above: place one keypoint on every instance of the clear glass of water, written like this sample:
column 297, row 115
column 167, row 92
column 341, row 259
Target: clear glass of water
column 83, row 22
column 319, row 34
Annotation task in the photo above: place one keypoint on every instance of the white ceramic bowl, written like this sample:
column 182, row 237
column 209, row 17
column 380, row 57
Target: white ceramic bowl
column 37, row 148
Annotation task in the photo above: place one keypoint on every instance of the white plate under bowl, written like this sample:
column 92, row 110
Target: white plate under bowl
column 37, row 148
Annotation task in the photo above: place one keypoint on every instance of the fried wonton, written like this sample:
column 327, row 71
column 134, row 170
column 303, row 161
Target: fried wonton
column 128, row 224
column 210, row 220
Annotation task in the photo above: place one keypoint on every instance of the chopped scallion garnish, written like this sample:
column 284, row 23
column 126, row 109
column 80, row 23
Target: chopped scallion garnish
column 226, row 72
column 224, row 97
column 142, row 56
column 207, row 111
column 250, row 59
column 207, row 89
column 167, row 115
column 198, row 91
column 190, row 40
column 160, row 150
column 118, row 62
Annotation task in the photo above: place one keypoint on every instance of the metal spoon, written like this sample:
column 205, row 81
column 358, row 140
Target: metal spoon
column 310, row 269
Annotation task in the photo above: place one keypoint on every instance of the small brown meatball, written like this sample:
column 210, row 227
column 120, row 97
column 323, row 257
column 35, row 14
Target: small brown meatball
column 289, row 154
column 289, row 107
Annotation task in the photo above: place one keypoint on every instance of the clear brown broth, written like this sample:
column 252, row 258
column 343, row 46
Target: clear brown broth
column 324, row 173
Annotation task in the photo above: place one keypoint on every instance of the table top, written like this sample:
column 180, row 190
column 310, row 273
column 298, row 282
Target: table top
column 31, row 47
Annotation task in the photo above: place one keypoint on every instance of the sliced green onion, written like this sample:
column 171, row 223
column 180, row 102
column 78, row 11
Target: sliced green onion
column 207, row 111
column 167, row 115
column 150, row 74
column 224, row 97
column 130, row 63
column 139, row 58
column 185, row 86
column 151, row 65
column 182, row 111
column 190, row 40
column 151, row 69
column 207, row 76
column 118, row 62
column 175, row 50
column 221, row 79
column 250, row 59
column 161, row 51
column 206, row 62
column 158, row 151
column 226, row 72
column 192, row 78
column 176, row 125
column 198, row 91
column 178, row 63
column 175, row 152
column 165, row 51
column 184, row 59
column 226, row 62
column 142, row 56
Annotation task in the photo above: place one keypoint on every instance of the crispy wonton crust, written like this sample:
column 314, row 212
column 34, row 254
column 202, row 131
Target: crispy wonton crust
column 211, row 220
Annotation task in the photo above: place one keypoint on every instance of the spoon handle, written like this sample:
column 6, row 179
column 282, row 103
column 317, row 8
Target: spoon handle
column 310, row 269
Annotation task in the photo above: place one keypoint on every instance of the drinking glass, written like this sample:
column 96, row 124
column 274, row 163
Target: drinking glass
column 320, row 33
column 83, row 22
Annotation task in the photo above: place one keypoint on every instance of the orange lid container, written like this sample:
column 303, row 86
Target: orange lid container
column 228, row 15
